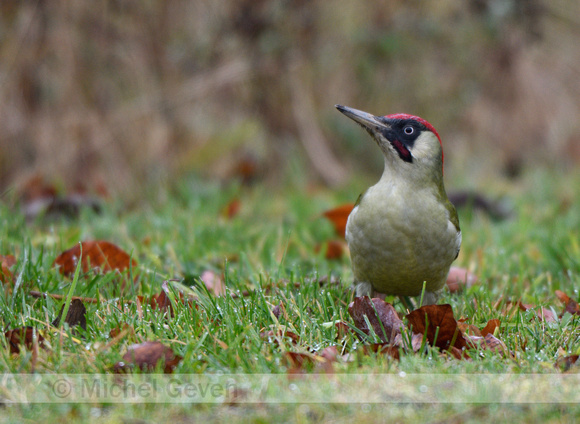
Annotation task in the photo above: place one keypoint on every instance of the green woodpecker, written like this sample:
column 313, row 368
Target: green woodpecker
column 403, row 232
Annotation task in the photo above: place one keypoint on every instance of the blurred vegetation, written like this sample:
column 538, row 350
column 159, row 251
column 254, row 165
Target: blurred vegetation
column 126, row 93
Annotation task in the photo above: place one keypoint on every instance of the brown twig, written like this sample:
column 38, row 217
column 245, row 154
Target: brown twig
column 35, row 293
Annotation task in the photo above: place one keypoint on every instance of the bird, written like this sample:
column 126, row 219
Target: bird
column 403, row 232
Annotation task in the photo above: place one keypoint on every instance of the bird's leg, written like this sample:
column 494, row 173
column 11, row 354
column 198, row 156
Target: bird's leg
column 430, row 298
column 407, row 303
column 381, row 296
column 362, row 288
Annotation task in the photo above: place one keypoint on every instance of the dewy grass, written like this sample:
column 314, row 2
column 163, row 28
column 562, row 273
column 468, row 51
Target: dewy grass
column 71, row 290
column 269, row 257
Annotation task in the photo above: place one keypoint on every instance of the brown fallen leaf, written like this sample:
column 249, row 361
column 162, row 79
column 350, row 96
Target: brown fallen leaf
column 213, row 282
column 299, row 362
column 456, row 353
column 330, row 353
column 509, row 308
column 329, row 356
column 544, row 314
column 232, row 208
column 459, row 278
column 547, row 315
column 489, row 342
column 120, row 328
column 388, row 349
column 333, row 249
column 157, row 301
column 37, row 187
column 481, row 338
column 7, row 262
column 146, row 356
column 490, row 327
column 236, row 395
column 472, row 330
column 68, row 206
column 247, row 168
column 100, row 254
column 413, row 345
column 439, row 324
column 35, row 293
column 385, row 322
column 76, row 315
column 338, row 216
column 566, row 363
column 298, row 359
column 468, row 329
column 23, row 336
column 40, row 198
column 277, row 310
column 570, row 305
column 495, row 344
column 162, row 300
column 342, row 329
column 274, row 337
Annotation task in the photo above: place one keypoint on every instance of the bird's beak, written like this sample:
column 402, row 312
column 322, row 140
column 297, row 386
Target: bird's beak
column 370, row 122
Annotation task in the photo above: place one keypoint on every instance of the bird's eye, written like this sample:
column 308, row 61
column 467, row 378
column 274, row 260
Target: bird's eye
column 409, row 130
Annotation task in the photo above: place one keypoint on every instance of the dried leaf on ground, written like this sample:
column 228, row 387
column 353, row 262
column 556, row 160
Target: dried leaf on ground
column 338, row 216
column 297, row 362
column 469, row 329
column 162, row 300
column 329, row 353
column 247, row 168
column 490, row 327
column 214, row 282
column 157, row 301
column 333, row 249
column 23, row 336
column 326, row 358
column 232, row 208
column 544, row 314
column 567, row 362
column 456, row 353
column 6, row 262
column 459, row 278
column 388, row 349
column 35, row 293
column 489, row 342
column 76, row 315
column 37, row 187
column 570, row 305
column 509, row 308
column 278, row 310
column 99, row 254
column 40, row 198
column 146, row 356
column 385, row 322
column 272, row 336
column 342, row 329
column 439, row 324
column 122, row 327
column 484, row 338
column 472, row 330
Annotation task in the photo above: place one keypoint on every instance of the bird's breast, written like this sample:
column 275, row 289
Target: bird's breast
column 397, row 237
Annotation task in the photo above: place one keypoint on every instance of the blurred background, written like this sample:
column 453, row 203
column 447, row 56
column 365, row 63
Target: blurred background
column 127, row 94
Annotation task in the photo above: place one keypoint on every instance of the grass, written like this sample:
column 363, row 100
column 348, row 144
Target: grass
column 269, row 251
